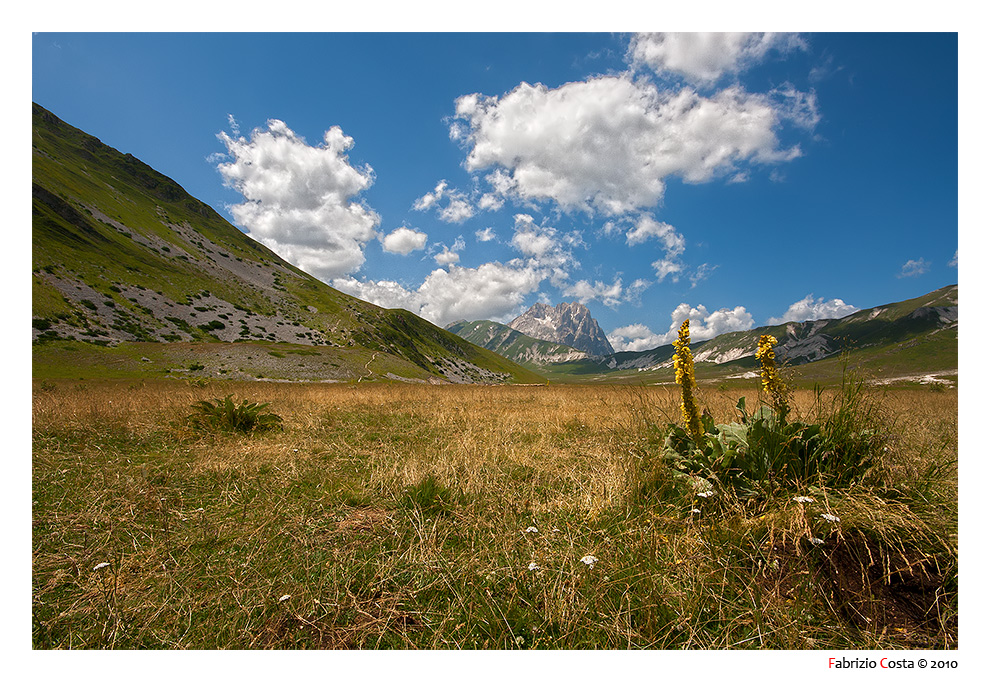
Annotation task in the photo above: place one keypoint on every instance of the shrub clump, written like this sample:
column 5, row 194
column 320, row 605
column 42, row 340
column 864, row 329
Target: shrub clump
column 225, row 416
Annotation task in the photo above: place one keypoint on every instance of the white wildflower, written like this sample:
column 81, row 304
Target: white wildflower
column 589, row 560
column 283, row 598
column 816, row 541
column 804, row 498
column 520, row 640
column 533, row 566
column 707, row 493
column 830, row 518
column 531, row 529
column 695, row 511
column 100, row 567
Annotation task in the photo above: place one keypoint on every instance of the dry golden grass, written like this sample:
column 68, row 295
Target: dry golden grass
column 395, row 516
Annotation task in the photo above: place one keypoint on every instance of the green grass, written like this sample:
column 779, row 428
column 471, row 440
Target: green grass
column 396, row 517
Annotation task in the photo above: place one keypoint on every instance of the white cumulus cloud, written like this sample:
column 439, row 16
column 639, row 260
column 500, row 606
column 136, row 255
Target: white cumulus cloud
column 584, row 291
column 704, row 326
column 608, row 143
column 300, row 200
column 546, row 247
column 703, row 58
column 485, row 235
column 609, row 294
column 635, row 337
column 492, row 291
column 404, row 240
column 810, row 309
column 449, row 254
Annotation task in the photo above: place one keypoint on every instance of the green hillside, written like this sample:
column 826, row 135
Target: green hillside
column 124, row 259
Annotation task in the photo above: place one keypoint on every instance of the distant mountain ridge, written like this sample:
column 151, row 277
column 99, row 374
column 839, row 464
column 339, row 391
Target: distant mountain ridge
column 916, row 336
column 569, row 324
column 123, row 256
column 514, row 345
column 891, row 329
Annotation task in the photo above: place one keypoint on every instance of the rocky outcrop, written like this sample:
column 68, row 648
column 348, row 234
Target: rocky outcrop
column 570, row 324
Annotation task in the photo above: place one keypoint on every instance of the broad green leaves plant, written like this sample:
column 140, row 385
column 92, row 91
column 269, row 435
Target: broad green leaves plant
column 224, row 415
column 764, row 450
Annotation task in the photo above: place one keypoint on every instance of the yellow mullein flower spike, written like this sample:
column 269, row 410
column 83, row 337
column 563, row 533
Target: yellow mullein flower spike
column 684, row 376
column 773, row 385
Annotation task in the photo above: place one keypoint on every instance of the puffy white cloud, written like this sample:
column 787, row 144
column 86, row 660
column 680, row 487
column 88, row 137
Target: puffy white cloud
column 384, row 293
column 447, row 257
column 609, row 294
column 954, row 263
column 545, row 247
column 536, row 243
column 458, row 207
column 810, row 309
column 501, row 184
column 492, row 291
column 703, row 58
column 667, row 266
column 485, row 235
column 607, row 144
column 404, row 240
column 648, row 228
column 299, row 199
column 490, row 202
column 635, row 337
column 449, row 254
column 914, row 268
column 704, row 326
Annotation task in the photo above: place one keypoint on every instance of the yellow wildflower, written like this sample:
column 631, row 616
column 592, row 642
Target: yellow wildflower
column 772, row 383
column 684, row 376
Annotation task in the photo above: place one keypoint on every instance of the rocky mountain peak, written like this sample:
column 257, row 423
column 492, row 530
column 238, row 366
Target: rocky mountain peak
column 570, row 324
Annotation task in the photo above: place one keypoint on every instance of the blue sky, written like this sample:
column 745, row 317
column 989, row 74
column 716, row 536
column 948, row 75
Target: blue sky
column 736, row 179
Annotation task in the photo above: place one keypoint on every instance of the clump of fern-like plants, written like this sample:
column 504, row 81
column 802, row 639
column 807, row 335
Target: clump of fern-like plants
column 763, row 450
column 225, row 416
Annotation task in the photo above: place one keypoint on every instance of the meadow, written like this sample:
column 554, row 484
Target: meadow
column 390, row 515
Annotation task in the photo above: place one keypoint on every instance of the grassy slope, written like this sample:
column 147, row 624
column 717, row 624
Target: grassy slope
column 119, row 230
